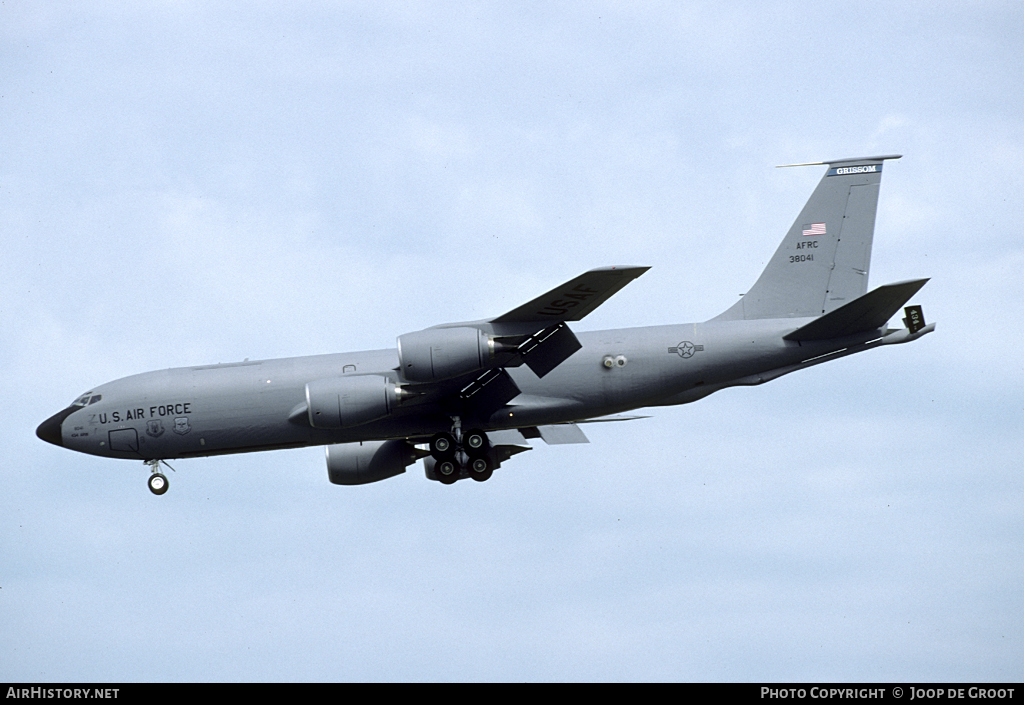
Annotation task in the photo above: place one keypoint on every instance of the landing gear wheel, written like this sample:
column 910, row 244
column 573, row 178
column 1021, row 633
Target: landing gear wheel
column 158, row 483
column 447, row 471
column 480, row 469
column 474, row 442
column 442, row 446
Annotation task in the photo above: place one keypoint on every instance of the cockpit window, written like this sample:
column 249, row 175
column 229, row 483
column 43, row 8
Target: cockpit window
column 83, row 400
column 95, row 398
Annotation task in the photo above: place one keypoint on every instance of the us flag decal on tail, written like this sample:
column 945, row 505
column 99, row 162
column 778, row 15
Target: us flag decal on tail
column 814, row 229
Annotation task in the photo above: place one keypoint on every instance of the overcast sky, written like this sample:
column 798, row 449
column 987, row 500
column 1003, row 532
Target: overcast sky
column 184, row 183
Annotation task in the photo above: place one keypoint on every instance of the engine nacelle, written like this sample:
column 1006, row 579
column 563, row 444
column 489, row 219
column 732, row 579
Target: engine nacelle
column 368, row 461
column 342, row 402
column 442, row 353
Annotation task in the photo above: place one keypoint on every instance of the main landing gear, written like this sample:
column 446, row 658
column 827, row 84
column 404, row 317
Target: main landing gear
column 157, row 482
column 459, row 454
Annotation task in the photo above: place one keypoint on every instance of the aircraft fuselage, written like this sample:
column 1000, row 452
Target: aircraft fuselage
column 245, row 406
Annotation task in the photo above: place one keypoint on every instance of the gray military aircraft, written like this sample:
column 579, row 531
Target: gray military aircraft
column 465, row 397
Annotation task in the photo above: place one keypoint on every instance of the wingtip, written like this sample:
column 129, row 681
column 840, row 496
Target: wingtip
column 622, row 268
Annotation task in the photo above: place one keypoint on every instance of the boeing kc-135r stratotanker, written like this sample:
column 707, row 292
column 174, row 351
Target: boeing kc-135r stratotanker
column 465, row 397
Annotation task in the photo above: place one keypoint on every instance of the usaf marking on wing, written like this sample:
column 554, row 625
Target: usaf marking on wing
column 466, row 397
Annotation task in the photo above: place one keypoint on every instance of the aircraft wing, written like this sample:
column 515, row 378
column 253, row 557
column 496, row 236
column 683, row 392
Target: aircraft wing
column 574, row 299
column 548, row 341
column 535, row 334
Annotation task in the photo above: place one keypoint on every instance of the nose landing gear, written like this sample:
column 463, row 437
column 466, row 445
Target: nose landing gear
column 157, row 482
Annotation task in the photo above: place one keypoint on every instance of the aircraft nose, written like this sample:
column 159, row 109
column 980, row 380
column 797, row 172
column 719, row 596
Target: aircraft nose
column 49, row 430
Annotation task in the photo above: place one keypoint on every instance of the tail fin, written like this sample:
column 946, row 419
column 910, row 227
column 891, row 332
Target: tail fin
column 824, row 259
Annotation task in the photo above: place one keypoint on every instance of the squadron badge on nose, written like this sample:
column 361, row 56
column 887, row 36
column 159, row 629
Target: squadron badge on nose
column 181, row 426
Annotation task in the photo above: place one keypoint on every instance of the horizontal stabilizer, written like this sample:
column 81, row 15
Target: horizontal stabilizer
column 574, row 299
column 868, row 312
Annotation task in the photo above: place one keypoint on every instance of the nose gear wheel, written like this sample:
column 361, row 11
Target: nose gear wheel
column 157, row 482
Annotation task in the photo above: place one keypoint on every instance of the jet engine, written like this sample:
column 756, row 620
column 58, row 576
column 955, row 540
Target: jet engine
column 368, row 461
column 342, row 402
column 442, row 353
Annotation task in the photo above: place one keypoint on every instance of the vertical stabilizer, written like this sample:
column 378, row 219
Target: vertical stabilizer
column 824, row 259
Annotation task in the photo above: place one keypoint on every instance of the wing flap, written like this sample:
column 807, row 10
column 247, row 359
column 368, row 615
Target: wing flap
column 547, row 349
column 508, row 437
column 491, row 390
column 557, row 434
